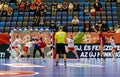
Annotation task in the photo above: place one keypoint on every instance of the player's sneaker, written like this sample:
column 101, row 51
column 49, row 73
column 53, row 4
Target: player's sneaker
column 16, row 59
column 113, row 59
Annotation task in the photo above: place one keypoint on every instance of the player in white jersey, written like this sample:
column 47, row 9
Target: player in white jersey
column 26, row 47
column 114, row 48
column 15, row 48
column 71, row 46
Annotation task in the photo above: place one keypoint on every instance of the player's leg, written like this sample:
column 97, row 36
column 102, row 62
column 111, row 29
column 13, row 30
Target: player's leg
column 34, row 52
column 102, row 52
column 42, row 50
column 75, row 52
column 113, row 54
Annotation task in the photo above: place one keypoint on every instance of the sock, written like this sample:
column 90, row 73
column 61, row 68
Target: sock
column 76, row 56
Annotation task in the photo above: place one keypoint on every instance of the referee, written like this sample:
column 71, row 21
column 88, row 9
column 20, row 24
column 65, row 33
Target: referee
column 60, row 38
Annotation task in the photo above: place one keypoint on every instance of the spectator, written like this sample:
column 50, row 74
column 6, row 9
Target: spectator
column 58, row 24
column 38, row 2
column 36, row 21
column 70, row 7
column 41, row 23
column 86, row 11
column 4, row 13
column 22, row 6
column 27, row 6
column 75, row 21
column 13, row 1
column 65, row 6
column 97, row 6
column 117, row 28
column 52, row 25
column 104, row 26
column 5, row 6
column 59, row 7
column 76, row 6
column 32, row 7
column 92, row 12
column 87, row 26
column 10, row 11
column 1, row 7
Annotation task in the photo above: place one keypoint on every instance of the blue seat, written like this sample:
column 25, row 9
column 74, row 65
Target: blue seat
column 59, row 14
column 92, row 23
column 14, row 19
column 81, row 18
column 64, row 18
column 1, row 29
column 48, row 14
column 110, row 23
column 13, row 24
column 8, row 24
column 114, row 13
column 30, row 23
column 9, row 18
column 108, row 9
column 81, row 9
column 87, row 18
column 53, row 18
column 47, row 18
column 64, row 23
column 81, row 4
column 81, row 28
column 98, row 18
column 70, row 18
column 81, row 23
column 69, row 28
column 115, row 18
column 58, row 18
column 12, row 5
column 81, row 0
column 115, row 22
column 81, row 13
column 2, row 24
column 103, row 4
column 26, row 14
column 15, row 14
column 20, row 19
column 64, row 14
column 86, row 4
column 109, row 13
column 113, row 4
column 32, row 13
column 114, row 9
column 21, row 13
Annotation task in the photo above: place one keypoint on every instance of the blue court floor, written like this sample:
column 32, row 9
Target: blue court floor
column 84, row 68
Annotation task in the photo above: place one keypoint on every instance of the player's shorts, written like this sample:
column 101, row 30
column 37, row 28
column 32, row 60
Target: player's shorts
column 42, row 45
column 71, row 48
column 25, row 49
column 60, row 48
column 115, row 48
column 13, row 47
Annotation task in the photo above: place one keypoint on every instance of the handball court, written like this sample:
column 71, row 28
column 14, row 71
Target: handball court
column 46, row 68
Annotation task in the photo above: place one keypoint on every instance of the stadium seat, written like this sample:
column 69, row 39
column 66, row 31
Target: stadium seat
column 81, row 18
column 12, row 5
column 114, row 13
column 114, row 9
column 109, row 13
column 103, row 4
column 58, row 18
column 1, row 29
column 9, row 19
column 30, row 23
column 110, row 24
column 98, row 18
column 32, row 13
column 81, row 23
column 2, row 24
column 70, row 18
column 81, row 13
column 47, row 18
column 26, row 14
column 64, row 13
column 81, row 28
column 64, row 23
column 14, row 19
column 115, row 18
column 92, row 23
column 69, row 28
column 87, row 18
column 25, row 24
column 3, row 19
column 8, row 24
column 64, row 18
column 75, row 29
column 15, row 14
column 86, row 4
column 25, row 19
column 13, row 24
column 19, row 24
column 20, row 19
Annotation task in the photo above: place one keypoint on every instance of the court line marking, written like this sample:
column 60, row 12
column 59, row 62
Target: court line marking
column 81, row 65
column 23, row 65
